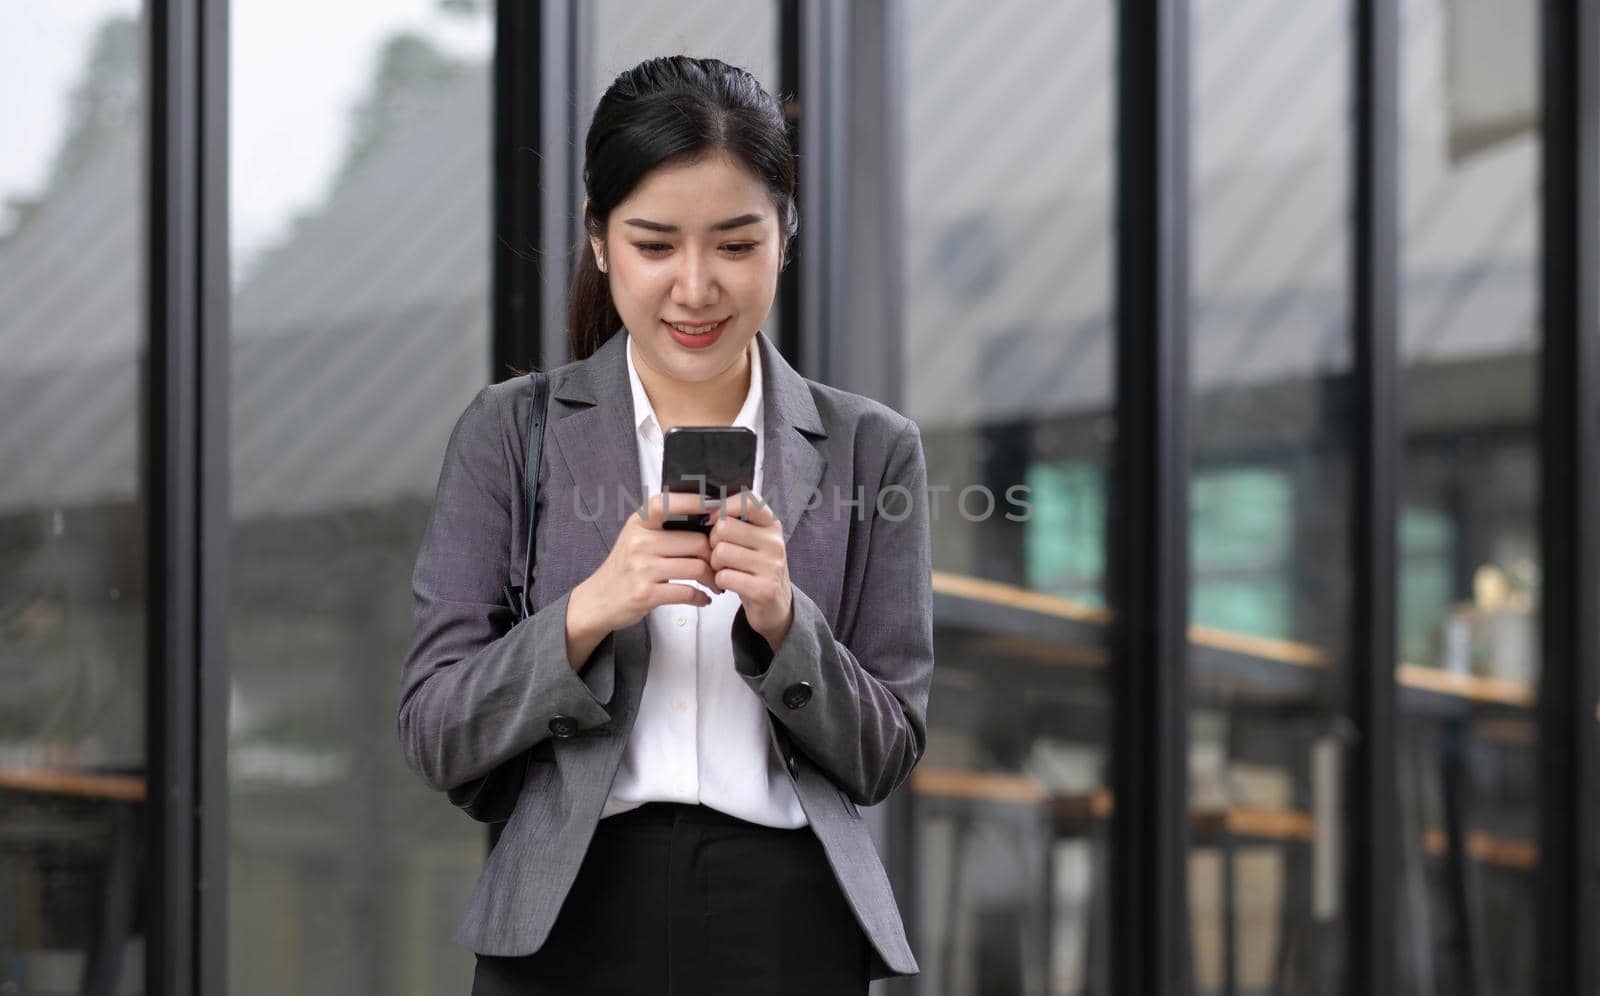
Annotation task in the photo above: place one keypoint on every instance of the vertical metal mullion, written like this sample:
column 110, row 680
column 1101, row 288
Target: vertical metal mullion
column 582, row 41
column 519, row 330
column 892, row 278
column 171, row 532
column 186, row 425
column 560, row 145
column 864, row 256
column 1148, row 516
column 791, row 45
column 823, row 53
column 515, row 208
column 1568, row 907
column 1372, row 782
column 215, row 502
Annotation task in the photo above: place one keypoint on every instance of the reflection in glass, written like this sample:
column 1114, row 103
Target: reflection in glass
column 1469, row 592
column 1008, row 349
column 360, row 334
column 72, row 513
column 1269, row 491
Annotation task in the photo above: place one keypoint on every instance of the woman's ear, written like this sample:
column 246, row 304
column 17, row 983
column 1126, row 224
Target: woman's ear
column 597, row 244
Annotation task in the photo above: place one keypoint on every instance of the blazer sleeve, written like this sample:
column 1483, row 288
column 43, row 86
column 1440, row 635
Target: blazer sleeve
column 477, row 691
column 864, row 722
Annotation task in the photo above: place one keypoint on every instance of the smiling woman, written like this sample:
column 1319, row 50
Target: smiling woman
column 701, row 830
column 690, row 210
column 692, row 282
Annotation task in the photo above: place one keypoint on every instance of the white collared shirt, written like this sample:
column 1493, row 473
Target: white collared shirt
column 701, row 735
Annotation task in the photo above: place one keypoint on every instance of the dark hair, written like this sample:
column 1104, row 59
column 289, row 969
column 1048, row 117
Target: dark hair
column 673, row 109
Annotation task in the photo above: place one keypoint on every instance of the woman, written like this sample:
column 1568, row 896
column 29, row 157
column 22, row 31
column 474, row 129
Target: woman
column 696, row 832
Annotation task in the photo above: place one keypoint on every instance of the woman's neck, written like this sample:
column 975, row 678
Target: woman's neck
column 712, row 402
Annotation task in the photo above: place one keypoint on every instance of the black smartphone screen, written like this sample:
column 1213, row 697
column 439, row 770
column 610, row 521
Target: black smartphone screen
column 713, row 461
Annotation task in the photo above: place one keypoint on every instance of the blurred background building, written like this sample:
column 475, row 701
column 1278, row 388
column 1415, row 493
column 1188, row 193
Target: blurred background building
column 1319, row 275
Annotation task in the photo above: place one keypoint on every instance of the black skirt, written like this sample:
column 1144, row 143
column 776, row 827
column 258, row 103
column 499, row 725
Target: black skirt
column 686, row 900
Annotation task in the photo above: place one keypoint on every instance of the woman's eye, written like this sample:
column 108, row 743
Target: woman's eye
column 657, row 248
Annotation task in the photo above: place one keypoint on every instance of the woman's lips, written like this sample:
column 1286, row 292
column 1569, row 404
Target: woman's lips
column 696, row 341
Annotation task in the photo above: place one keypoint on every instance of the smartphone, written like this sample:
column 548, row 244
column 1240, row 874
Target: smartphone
column 713, row 461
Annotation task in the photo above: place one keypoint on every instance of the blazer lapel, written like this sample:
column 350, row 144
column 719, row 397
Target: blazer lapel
column 598, row 444
column 792, row 465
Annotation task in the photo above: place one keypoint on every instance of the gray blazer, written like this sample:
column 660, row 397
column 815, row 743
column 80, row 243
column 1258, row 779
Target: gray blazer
column 492, row 713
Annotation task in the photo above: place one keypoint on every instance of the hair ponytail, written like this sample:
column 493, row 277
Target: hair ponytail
column 591, row 316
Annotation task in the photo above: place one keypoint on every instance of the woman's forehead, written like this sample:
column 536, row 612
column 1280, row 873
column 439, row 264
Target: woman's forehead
column 696, row 194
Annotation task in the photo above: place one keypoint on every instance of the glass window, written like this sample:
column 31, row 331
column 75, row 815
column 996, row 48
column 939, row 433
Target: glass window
column 1269, row 490
column 73, row 674
column 1469, row 596
column 361, row 249
column 626, row 32
column 1008, row 249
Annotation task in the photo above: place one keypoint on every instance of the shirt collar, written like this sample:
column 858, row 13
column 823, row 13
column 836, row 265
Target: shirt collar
column 749, row 414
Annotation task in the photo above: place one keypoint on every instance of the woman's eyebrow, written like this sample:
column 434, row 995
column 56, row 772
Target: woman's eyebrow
column 721, row 226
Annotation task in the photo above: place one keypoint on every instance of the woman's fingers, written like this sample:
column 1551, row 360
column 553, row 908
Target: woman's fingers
column 671, row 593
column 678, row 504
column 747, row 506
column 689, row 568
column 740, row 558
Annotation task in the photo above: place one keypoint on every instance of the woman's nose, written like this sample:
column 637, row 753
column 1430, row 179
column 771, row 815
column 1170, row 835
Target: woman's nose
column 695, row 286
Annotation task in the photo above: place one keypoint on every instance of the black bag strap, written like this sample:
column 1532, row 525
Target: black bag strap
column 519, row 599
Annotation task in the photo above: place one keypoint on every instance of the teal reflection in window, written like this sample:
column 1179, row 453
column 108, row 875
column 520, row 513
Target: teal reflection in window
column 1427, row 543
column 1065, row 534
column 1240, row 545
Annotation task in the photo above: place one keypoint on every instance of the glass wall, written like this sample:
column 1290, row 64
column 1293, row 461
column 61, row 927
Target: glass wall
column 361, row 253
column 1469, row 582
column 624, row 33
column 72, row 497
column 360, row 329
column 1270, row 580
column 1008, row 246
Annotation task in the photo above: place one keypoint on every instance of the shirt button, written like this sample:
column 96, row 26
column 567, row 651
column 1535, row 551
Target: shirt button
column 678, row 705
column 680, row 620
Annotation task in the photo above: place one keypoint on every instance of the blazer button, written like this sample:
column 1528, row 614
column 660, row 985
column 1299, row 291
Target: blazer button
column 797, row 694
column 794, row 766
column 563, row 726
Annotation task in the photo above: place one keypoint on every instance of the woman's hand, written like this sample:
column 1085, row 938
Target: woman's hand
column 638, row 574
column 749, row 557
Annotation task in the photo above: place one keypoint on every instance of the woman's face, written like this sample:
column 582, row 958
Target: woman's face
column 694, row 244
